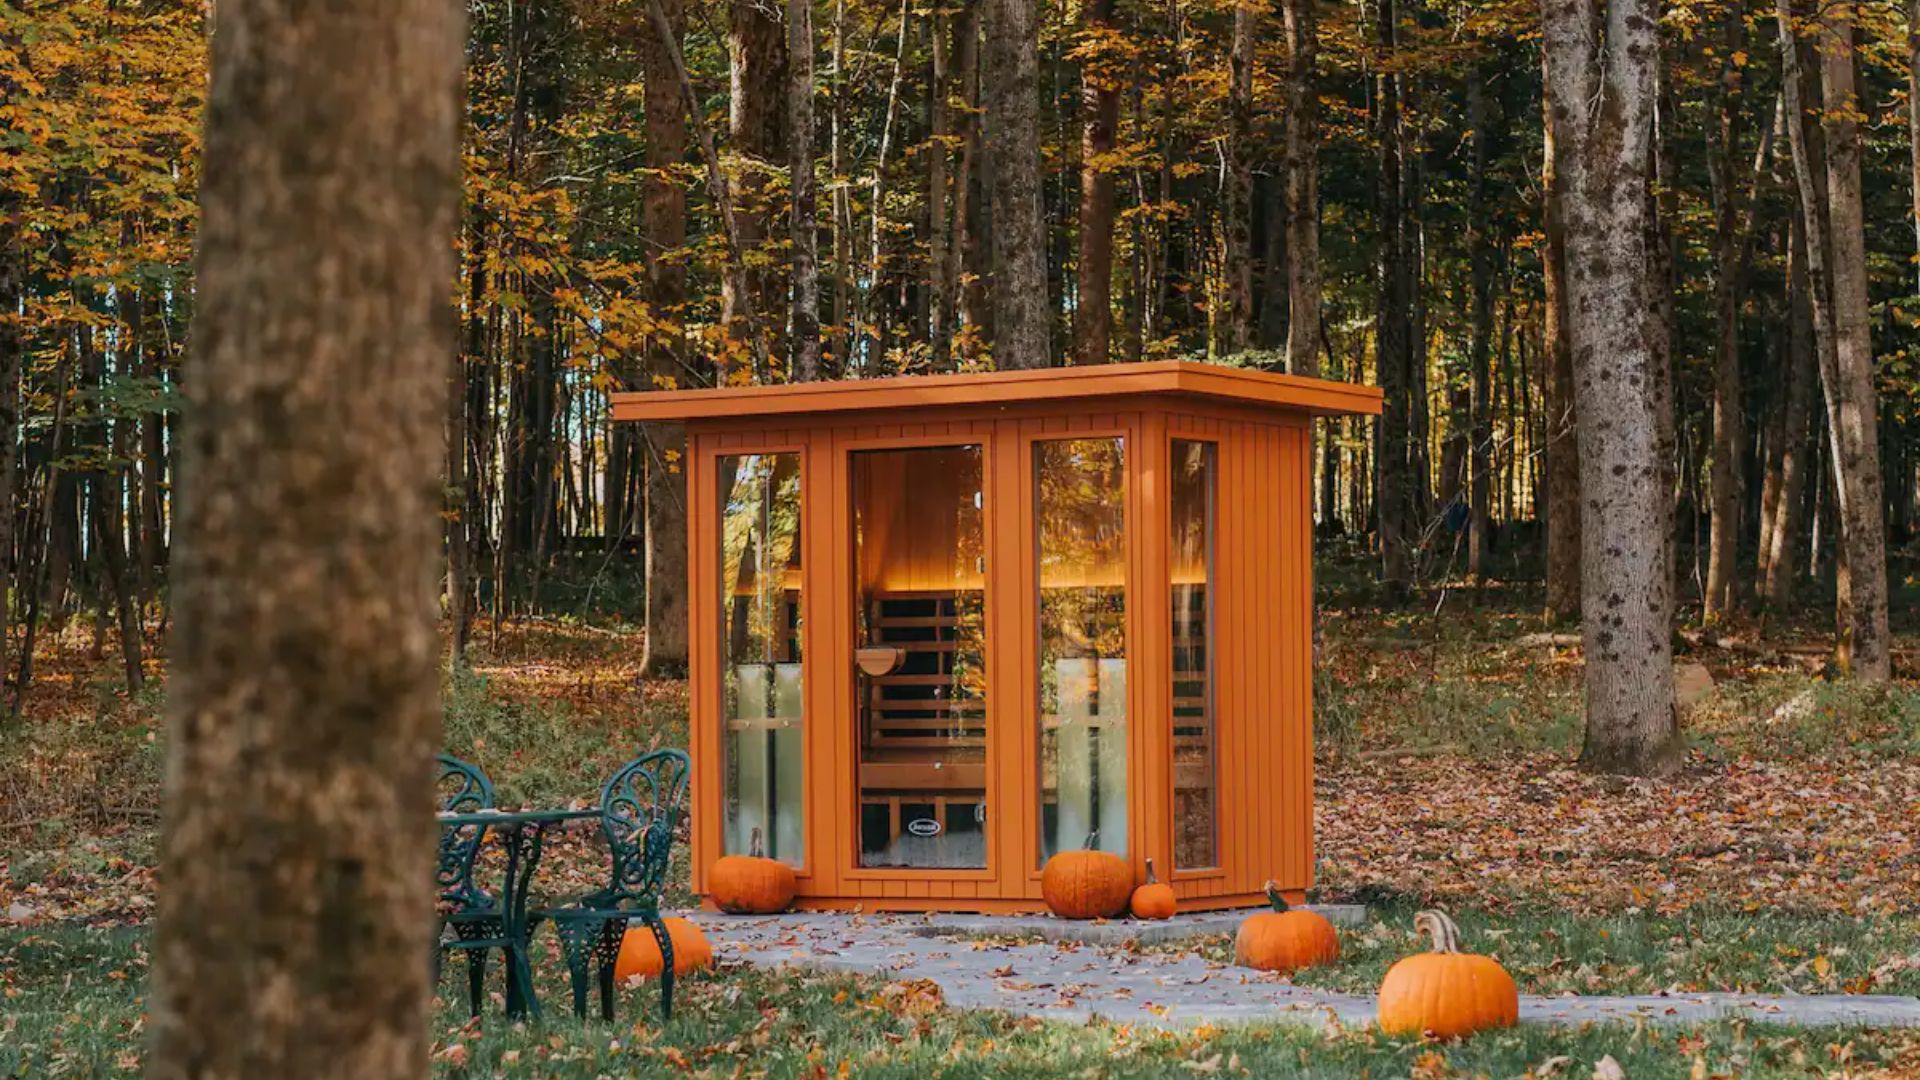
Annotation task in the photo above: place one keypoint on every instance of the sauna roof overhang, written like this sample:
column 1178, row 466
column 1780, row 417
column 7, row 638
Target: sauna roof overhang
column 1161, row 378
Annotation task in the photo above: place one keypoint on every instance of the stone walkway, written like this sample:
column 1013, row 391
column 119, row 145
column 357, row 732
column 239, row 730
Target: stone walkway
column 1075, row 980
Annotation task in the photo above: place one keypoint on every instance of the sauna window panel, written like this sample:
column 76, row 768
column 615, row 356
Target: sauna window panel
column 1192, row 506
column 920, row 630
column 759, row 588
column 1079, row 499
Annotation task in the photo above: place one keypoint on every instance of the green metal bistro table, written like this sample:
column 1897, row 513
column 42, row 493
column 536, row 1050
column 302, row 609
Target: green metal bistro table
column 523, row 833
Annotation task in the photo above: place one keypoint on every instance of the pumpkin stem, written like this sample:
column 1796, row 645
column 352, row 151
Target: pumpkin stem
column 1093, row 841
column 755, row 847
column 1436, row 925
column 1275, row 897
column 1151, row 879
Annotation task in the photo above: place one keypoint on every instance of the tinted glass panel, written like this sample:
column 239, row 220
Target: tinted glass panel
column 1194, row 732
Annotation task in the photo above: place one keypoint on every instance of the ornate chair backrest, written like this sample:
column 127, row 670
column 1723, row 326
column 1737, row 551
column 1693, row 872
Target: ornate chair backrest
column 462, row 789
column 640, row 810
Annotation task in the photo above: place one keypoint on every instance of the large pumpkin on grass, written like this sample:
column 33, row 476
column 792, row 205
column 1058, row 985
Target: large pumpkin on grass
column 751, row 884
column 1153, row 899
column 640, row 954
column 1446, row 992
column 1285, row 939
column 1086, row 884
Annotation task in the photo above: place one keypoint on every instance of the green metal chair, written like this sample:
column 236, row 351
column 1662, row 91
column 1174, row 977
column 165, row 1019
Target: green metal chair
column 640, row 811
column 473, row 914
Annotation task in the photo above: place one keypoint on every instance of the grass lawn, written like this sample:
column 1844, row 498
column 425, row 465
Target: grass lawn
column 74, row 1009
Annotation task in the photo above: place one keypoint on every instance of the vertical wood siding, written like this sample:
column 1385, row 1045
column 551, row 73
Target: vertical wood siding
column 1262, row 593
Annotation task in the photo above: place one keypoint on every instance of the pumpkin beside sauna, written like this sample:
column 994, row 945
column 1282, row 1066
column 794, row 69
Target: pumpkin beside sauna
column 1086, row 884
column 1286, row 938
column 1154, row 899
column 640, row 953
column 751, row 884
column 1446, row 992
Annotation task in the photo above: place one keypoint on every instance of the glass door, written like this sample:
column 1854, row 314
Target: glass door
column 920, row 656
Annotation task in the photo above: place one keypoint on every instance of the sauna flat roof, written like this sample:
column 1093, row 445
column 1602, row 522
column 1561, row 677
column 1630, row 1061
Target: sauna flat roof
column 1176, row 378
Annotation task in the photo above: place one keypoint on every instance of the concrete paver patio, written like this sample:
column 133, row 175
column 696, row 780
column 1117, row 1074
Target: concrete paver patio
column 1075, row 980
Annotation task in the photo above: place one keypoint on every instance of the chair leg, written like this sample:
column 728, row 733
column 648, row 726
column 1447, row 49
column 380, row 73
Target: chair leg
column 521, row 1000
column 578, row 948
column 609, row 953
column 476, row 979
column 665, row 941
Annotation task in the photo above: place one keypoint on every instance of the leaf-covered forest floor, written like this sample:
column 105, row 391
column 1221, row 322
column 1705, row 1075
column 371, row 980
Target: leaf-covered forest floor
column 1784, row 857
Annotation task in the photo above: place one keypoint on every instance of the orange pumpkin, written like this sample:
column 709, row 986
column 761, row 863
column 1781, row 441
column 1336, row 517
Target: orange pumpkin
column 751, row 884
column 1285, row 939
column 1153, row 900
column 1446, row 992
column 640, row 954
column 1086, row 884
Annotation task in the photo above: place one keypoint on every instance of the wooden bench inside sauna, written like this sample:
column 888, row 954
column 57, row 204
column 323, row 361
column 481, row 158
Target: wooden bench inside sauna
column 943, row 627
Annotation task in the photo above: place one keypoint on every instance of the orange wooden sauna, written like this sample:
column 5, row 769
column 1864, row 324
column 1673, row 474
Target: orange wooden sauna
column 944, row 626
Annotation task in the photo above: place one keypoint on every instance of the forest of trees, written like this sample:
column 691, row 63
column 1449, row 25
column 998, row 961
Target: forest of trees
column 1654, row 263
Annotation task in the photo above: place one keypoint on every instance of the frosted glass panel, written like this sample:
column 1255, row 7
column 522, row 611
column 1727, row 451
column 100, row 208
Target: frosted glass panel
column 1080, row 535
column 760, row 590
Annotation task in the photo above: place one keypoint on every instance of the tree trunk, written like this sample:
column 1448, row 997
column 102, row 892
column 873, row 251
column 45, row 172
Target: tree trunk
column 664, row 445
column 1300, row 147
column 1413, row 262
column 965, row 265
column 1270, row 323
column 1392, row 359
column 1010, row 89
column 1853, row 403
column 1783, row 539
column 13, row 345
column 459, row 543
column 1604, row 157
column 1100, row 118
column 1913, row 124
column 1836, row 269
column 1728, row 477
column 154, row 364
column 877, row 249
column 34, row 561
column 1237, row 199
column 803, row 323
column 1562, row 434
column 940, row 224
column 119, row 582
column 304, row 700
column 1480, row 343
column 840, row 338
column 757, row 51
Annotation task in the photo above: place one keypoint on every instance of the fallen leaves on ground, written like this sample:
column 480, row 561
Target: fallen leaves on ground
column 1531, row 828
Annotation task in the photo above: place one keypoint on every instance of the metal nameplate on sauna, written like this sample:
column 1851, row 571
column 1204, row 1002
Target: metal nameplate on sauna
column 925, row 826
